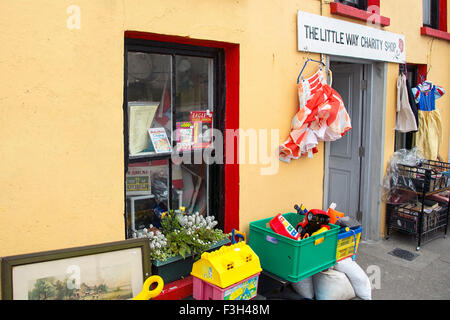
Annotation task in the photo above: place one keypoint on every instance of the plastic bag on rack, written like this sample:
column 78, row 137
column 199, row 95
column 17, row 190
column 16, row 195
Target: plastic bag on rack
column 398, row 186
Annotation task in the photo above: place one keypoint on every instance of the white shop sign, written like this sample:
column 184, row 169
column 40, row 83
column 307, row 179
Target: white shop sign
column 336, row 37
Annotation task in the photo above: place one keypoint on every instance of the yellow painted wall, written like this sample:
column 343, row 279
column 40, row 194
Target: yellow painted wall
column 61, row 107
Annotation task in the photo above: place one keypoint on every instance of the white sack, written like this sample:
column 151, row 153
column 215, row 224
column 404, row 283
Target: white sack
column 358, row 278
column 304, row 288
column 332, row 285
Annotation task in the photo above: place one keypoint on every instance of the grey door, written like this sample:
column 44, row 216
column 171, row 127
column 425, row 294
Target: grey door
column 344, row 154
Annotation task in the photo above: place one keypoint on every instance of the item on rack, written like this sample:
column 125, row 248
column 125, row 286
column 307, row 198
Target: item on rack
column 439, row 198
column 415, row 217
column 397, row 187
column 304, row 288
column 312, row 222
column 281, row 226
column 332, row 285
column 429, row 135
column 358, row 278
column 321, row 117
column 230, row 273
column 146, row 293
column 430, row 205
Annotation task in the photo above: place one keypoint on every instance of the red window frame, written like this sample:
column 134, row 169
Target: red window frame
column 231, row 114
column 343, row 10
column 440, row 33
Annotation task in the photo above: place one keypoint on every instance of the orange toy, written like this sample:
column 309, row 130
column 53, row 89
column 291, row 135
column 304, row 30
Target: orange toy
column 334, row 215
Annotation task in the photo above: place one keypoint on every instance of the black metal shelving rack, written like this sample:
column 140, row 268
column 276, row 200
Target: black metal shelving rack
column 427, row 178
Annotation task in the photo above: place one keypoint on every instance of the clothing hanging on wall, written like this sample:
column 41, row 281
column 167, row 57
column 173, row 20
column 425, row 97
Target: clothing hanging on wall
column 412, row 103
column 321, row 117
column 406, row 122
column 429, row 135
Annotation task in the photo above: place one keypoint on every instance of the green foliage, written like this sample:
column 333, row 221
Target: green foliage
column 193, row 236
column 170, row 223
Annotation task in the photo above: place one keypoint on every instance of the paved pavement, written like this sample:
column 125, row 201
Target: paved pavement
column 426, row 277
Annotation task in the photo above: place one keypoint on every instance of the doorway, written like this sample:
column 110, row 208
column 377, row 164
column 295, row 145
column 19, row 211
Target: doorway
column 353, row 165
column 345, row 155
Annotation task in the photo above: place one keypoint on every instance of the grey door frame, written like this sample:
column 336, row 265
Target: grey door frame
column 372, row 164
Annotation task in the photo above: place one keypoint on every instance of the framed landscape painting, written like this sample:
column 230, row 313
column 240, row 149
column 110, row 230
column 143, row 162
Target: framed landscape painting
column 109, row 271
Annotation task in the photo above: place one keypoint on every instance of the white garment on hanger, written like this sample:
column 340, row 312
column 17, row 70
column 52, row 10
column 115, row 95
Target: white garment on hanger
column 406, row 122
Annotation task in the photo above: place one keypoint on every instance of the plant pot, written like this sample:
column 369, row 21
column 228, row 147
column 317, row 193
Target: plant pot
column 177, row 267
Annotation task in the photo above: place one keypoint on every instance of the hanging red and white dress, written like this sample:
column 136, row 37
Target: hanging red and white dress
column 321, row 117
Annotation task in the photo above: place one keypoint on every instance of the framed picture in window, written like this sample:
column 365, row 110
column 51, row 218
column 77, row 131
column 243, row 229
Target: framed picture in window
column 109, row 271
column 141, row 115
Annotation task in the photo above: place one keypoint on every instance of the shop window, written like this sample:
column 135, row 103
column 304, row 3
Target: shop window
column 360, row 4
column 173, row 101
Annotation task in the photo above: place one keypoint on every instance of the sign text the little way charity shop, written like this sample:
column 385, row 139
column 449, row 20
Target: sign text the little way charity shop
column 336, row 37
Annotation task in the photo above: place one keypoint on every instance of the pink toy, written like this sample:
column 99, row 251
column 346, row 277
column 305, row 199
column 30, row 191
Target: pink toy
column 243, row 290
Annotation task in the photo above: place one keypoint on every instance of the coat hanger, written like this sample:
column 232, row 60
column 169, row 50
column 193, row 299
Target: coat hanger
column 403, row 69
column 425, row 85
column 306, row 62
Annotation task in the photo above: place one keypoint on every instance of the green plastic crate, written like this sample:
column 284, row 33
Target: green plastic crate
column 293, row 260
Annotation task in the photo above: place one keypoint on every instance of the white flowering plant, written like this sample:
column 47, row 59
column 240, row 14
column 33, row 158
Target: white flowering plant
column 184, row 235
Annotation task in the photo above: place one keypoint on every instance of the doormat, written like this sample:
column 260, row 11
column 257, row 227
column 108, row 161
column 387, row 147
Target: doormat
column 403, row 254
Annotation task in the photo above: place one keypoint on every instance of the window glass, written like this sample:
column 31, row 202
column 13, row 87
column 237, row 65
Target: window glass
column 431, row 13
column 149, row 102
column 190, row 183
column 146, row 195
column 194, row 106
column 426, row 12
column 170, row 98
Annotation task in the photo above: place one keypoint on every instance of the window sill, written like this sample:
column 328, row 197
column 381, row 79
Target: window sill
column 343, row 10
column 435, row 33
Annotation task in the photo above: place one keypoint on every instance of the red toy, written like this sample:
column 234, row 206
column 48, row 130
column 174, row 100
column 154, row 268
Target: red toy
column 312, row 222
column 281, row 226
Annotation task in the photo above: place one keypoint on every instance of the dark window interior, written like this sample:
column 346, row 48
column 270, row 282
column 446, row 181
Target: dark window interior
column 360, row 4
column 431, row 13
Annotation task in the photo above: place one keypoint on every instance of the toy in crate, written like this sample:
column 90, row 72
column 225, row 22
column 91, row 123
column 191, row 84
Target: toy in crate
column 230, row 273
column 287, row 257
